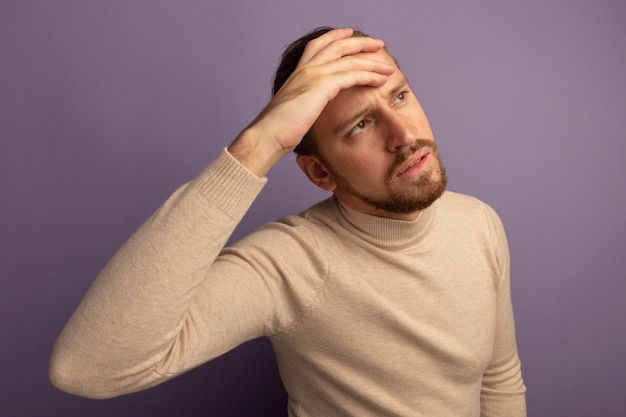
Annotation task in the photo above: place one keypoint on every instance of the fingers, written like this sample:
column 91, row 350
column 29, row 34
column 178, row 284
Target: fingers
column 337, row 44
column 322, row 41
column 338, row 60
column 347, row 72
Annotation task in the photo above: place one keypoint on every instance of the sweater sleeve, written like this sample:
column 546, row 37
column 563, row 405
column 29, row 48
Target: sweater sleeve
column 136, row 325
column 503, row 390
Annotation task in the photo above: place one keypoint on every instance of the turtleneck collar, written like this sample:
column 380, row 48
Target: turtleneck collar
column 383, row 232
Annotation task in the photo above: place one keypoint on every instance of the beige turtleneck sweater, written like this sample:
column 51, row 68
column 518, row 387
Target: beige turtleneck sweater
column 368, row 316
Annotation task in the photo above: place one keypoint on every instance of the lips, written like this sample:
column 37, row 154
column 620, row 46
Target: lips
column 410, row 166
column 412, row 162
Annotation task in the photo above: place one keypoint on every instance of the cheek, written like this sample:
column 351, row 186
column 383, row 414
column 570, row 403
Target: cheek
column 362, row 161
column 416, row 113
column 366, row 167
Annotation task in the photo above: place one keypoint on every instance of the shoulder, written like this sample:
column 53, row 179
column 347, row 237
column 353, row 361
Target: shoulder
column 454, row 200
column 304, row 232
column 316, row 219
column 457, row 204
column 461, row 213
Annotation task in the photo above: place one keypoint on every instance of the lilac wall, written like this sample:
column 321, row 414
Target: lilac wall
column 105, row 107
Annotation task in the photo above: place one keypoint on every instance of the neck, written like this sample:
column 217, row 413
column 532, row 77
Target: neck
column 363, row 207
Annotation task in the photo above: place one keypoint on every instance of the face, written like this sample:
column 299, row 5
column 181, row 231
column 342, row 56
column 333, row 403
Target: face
column 376, row 150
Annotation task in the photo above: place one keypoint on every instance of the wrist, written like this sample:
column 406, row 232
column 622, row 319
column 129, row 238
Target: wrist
column 255, row 152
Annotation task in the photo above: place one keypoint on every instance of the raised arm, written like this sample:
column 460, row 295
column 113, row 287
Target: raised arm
column 136, row 322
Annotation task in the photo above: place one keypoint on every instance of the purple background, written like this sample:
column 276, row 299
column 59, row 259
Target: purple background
column 106, row 107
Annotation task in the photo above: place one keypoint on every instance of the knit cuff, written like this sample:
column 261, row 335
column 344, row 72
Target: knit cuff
column 229, row 185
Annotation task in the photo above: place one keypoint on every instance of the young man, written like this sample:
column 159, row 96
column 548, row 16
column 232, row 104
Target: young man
column 392, row 297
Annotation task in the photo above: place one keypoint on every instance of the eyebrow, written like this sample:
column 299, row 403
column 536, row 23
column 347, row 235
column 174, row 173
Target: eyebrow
column 402, row 83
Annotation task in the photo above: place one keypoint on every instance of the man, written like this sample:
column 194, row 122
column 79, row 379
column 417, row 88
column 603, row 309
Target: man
column 392, row 297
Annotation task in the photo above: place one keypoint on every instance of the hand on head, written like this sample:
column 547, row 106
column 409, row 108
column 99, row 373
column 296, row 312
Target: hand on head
column 329, row 64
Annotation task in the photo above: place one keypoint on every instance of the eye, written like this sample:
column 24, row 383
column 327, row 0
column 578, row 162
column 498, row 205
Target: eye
column 400, row 97
column 359, row 127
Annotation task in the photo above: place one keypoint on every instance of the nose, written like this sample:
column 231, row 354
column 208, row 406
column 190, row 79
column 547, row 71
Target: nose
column 401, row 131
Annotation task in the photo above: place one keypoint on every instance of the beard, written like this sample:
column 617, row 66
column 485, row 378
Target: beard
column 415, row 195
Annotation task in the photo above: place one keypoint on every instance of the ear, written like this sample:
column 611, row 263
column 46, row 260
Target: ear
column 316, row 171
